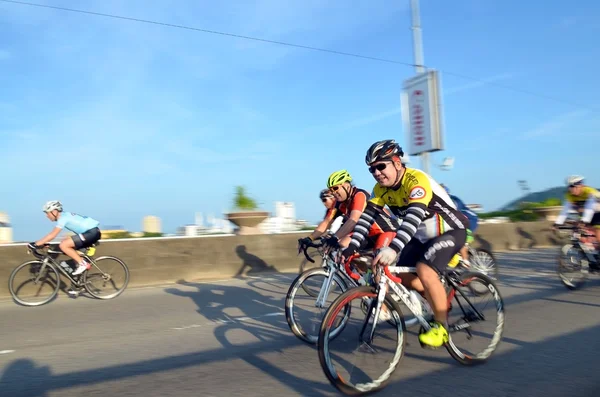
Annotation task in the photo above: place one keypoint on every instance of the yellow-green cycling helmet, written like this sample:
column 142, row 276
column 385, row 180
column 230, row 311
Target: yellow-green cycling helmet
column 338, row 177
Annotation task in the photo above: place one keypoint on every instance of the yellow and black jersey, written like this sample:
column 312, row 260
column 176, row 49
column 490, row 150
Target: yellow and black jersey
column 586, row 202
column 423, row 207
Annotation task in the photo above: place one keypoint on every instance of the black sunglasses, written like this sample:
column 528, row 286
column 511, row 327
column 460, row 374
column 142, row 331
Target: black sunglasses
column 379, row 167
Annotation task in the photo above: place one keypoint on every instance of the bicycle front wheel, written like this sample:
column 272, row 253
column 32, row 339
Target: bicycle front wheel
column 107, row 278
column 297, row 303
column 33, row 283
column 373, row 340
column 484, row 262
column 573, row 267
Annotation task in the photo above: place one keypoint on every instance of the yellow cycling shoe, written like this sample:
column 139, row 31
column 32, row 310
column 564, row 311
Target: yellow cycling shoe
column 435, row 337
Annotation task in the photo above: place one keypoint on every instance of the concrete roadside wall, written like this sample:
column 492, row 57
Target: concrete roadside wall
column 155, row 261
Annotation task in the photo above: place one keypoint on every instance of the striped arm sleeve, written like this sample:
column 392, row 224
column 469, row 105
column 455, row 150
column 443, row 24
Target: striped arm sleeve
column 361, row 230
column 408, row 227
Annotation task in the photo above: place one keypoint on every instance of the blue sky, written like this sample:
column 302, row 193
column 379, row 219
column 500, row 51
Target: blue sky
column 120, row 119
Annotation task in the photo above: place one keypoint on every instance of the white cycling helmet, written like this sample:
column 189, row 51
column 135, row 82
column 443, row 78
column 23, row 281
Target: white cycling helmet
column 52, row 205
column 574, row 180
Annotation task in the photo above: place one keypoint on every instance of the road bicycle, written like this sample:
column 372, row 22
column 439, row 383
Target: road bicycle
column 44, row 273
column 371, row 299
column 578, row 259
column 333, row 274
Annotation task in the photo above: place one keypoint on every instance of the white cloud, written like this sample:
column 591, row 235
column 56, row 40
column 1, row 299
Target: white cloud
column 374, row 118
column 476, row 84
column 558, row 125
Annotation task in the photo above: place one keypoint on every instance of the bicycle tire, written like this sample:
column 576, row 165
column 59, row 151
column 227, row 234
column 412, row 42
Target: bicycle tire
column 570, row 285
column 323, row 343
column 495, row 272
column 39, row 303
column 289, row 302
column 89, row 289
column 480, row 358
column 305, row 262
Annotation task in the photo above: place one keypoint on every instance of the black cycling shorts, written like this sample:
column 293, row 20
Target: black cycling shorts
column 436, row 252
column 86, row 239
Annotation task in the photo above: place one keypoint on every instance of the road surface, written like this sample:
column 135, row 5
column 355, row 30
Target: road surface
column 230, row 338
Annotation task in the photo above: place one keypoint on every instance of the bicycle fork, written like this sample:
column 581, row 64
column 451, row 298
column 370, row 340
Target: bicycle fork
column 377, row 305
column 324, row 292
column 41, row 271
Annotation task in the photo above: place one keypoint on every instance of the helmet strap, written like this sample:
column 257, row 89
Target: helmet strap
column 349, row 192
column 399, row 175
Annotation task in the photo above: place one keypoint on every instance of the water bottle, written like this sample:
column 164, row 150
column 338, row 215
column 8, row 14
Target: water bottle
column 66, row 266
column 454, row 261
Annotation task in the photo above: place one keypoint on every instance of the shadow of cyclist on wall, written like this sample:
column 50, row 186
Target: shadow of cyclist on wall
column 483, row 243
column 531, row 242
column 253, row 263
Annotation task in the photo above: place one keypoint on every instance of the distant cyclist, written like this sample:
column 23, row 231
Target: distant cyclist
column 329, row 202
column 473, row 223
column 584, row 199
column 86, row 229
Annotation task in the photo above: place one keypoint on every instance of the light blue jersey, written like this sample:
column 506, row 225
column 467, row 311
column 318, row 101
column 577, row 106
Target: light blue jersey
column 76, row 223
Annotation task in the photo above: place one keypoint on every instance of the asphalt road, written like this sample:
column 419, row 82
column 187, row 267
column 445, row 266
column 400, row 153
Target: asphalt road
column 230, row 338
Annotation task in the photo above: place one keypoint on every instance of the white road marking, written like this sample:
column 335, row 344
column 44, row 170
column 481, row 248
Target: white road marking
column 6, row 351
column 229, row 321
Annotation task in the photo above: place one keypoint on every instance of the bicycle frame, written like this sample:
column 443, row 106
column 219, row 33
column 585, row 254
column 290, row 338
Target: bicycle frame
column 576, row 239
column 388, row 280
column 47, row 260
column 333, row 268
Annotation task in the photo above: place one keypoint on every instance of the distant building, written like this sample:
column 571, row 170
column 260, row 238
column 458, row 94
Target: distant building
column 6, row 232
column 151, row 224
column 283, row 221
column 110, row 231
column 191, row 230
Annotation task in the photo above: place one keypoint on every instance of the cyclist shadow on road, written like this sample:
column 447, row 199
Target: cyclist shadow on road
column 22, row 378
column 243, row 318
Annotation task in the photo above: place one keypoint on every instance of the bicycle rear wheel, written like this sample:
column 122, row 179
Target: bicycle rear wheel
column 107, row 278
column 364, row 378
column 467, row 319
column 36, row 277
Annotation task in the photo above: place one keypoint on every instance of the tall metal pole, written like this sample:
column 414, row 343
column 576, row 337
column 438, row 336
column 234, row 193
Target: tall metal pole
column 418, row 60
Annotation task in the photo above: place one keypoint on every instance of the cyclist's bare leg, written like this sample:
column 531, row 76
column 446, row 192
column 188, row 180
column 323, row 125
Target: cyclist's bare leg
column 464, row 253
column 68, row 247
column 412, row 281
column 434, row 291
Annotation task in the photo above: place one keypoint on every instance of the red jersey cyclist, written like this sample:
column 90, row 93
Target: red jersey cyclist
column 351, row 203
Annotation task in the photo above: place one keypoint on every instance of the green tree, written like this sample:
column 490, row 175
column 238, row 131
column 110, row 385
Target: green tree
column 119, row 235
column 242, row 201
column 152, row 234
